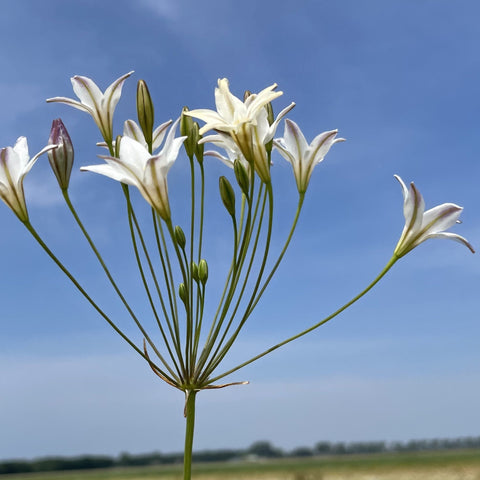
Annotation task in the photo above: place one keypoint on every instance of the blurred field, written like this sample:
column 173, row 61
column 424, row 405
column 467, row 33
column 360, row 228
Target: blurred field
column 448, row 465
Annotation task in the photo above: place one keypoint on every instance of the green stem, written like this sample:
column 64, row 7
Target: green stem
column 189, row 430
column 387, row 267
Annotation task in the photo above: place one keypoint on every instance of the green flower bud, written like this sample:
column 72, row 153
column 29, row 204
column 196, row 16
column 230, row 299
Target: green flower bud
column 199, row 147
column 182, row 293
column 270, row 115
column 246, row 95
column 180, row 237
column 203, row 271
column 194, row 268
column 241, row 175
column 187, row 130
column 61, row 158
column 228, row 195
column 145, row 111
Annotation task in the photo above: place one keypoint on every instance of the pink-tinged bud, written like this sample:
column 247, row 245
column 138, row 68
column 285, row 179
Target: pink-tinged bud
column 61, row 158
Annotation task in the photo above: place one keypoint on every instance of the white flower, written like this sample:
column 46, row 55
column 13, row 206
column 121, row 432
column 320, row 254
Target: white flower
column 100, row 106
column 245, row 122
column 303, row 157
column 421, row 225
column 15, row 163
column 232, row 114
column 137, row 167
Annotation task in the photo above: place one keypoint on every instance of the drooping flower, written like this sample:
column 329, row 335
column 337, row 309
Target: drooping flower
column 246, row 122
column 15, row 163
column 61, row 158
column 421, row 225
column 304, row 157
column 100, row 106
column 136, row 166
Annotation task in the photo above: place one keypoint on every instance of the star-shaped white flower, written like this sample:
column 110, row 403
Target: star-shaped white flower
column 15, row 163
column 232, row 113
column 421, row 225
column 100, row 106
column 246, row 122
column 303, row 157
column 137, row 167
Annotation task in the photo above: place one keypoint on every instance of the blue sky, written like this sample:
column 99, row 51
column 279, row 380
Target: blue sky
column 399, row 80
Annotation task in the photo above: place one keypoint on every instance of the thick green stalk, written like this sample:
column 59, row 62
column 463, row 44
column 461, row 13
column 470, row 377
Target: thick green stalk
column 189, row 430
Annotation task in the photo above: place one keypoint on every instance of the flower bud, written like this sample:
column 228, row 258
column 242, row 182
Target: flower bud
column 186, row 130
column 61, row 158
column 203, row 271
column 246, row 95
column 194, row 268
column 180, row 237
column 270, row 115
column 199, row 147
column 227, row 194
column 182, row 293
column 241, row 175
column 145, row 111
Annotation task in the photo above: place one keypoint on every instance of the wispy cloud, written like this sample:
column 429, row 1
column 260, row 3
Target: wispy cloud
column 165, row 9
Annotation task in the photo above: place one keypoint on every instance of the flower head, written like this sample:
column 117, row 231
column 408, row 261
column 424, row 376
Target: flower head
column 15, row 163
column 246, row 122
column 232, row 114
column 303, row 157
column 136, row 166
column 421, row 225
column 100, row 106
column 61, row 158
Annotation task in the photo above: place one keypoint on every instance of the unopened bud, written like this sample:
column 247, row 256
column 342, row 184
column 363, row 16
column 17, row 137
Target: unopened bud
column 246, row 94
column 180, row 237
column 61, row 158
column 241, row 175
column 145, row 111
column 227, row 194
column 270, row 115
column 203, row 271
column 189, row 129
column 182, row 293
column 195, row 271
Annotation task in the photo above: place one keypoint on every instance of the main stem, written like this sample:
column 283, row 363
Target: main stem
column 189, row 429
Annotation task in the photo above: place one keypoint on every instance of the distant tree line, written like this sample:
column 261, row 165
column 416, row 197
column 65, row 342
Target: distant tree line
column 261, row 449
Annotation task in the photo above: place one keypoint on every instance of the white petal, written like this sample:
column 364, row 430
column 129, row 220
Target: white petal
column 159, row 134
column 294, row 140
column 72, row 103
column 228, row 105
column 87, row 91
column 133, row 155
column 321, row 144
column 132, row 130
column 452, row 236
column 113, row 93
column 21, row 149
column 440, row 218
column 114, row 171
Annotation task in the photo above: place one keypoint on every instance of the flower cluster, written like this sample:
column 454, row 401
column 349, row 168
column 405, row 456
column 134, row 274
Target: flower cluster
column 244, row 130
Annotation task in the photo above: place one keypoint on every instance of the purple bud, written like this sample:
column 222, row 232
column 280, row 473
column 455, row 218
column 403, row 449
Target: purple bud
column 61, row 158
